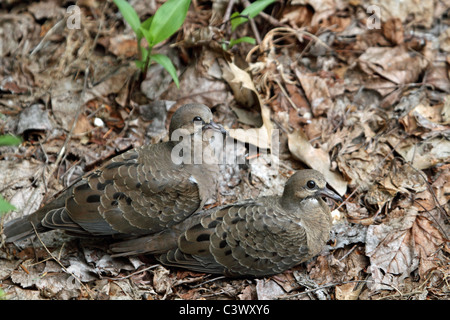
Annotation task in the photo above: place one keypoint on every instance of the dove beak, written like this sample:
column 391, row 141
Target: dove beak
column 216, row 127
column 325, row 192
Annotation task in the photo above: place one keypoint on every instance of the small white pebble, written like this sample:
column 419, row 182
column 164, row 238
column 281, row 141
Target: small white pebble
column 99, row 122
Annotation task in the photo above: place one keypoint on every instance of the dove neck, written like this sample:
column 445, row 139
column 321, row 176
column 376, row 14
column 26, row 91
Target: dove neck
column 288, row 199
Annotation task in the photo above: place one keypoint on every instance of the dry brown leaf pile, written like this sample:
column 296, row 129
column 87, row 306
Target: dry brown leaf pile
column 361, row 95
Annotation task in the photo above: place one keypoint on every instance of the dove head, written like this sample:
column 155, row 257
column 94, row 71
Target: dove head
column 306, row 184
column 193, row 118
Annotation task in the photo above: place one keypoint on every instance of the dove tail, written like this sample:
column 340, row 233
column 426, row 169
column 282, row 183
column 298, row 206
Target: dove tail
column 21, row 228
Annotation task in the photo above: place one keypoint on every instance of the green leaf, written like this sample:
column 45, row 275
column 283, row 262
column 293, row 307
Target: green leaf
column 240, row 40
column 5, row 206
column 144, row 25
column 251, row 11
column 129, row 14
column 167, row 20
column 256, row 7
column 10, row 140
column 237, row 20
column 168, row 65
column 147, row 23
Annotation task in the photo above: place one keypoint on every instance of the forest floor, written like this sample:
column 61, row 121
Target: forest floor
column 358, row 90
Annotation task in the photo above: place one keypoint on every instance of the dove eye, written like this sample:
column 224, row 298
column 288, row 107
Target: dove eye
column 311, row 184
column 197, row 118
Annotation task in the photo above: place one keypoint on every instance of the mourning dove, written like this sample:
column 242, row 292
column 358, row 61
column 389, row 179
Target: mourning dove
column 251, row 238
column 141, row 191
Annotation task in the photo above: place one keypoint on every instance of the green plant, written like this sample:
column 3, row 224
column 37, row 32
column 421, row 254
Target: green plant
column 7, row 140
column 239, row 18
column 163, row 24
column 5, row 206
column 2, row 294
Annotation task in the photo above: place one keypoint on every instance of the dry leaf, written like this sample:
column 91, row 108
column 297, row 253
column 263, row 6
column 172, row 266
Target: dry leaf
column 194, row 87
column 35, row 117
column 316, row 90
column 268, row 289
column 322, row 9
column 444, row 40
column 393, row 31
column 428, row 200
column 161, row 281
column 245, row 93
column 124, row 46
column 347, row 291
column 394, row 64
column 421, row 12
column 423, row 155
column 424, row 118
column 399, row 247
column 249, row 293
column 65, row 98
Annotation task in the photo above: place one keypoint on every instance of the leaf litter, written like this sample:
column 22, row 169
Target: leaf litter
column 367, row 105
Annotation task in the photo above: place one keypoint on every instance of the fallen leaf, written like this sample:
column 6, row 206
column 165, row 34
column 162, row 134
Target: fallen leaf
column 347, row 291
column 124, row 46
column 65, row 98
column 245, row 93
column 316, row 90
column 161, row 281
column 15, row 176
column 421, row 12
column 428, row 200
column 422, row 154
column 194, row 87
column 268, row 289
column 35, row 117
column 249, row 293
column 424, row 118
column 399, row 247
column 444, row 40
column 393, row 30
column 322, row 9
column 394, row 64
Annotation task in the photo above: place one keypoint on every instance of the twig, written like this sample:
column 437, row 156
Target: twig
column 286, row 95
column 227, row 14
column 56, row 28
column 348, row 253
column 272, row 20
column 208, row 281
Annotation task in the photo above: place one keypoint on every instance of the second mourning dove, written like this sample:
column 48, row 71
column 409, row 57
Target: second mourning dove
column 141, row 191
column 251, row 238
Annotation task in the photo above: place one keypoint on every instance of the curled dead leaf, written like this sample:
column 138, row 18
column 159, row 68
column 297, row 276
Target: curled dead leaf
column 245, row 93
